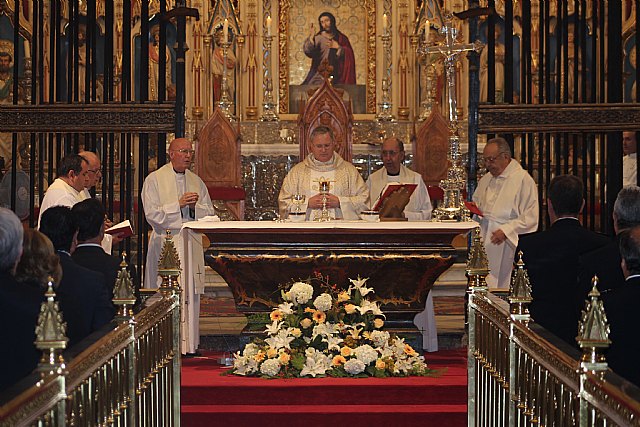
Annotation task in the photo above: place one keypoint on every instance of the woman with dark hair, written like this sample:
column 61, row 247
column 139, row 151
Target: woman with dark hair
column 331, row 45
column 38, row 261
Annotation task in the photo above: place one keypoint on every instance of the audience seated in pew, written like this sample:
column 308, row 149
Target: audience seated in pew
column 19, row 307
column 84, row 298
column 605, row 261
column 551, row 259
column 621, row 307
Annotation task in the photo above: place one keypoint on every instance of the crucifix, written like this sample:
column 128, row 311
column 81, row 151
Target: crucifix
column 452, row 208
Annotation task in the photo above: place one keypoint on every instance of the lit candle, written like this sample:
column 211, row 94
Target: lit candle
column 385, row 23
column 269, row 25
column 225, row 31
column 427, row 27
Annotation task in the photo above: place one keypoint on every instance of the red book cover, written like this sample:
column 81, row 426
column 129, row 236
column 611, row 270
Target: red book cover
column 389, row 189
column 122, row 229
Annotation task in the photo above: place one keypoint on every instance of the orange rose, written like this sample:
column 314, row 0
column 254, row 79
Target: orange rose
column 271, row 353
column 343, row 296
column 284, row 358
column 305, row 323
column 378, row 323
column 350, row 308
column 345, row 351
column 380, row 364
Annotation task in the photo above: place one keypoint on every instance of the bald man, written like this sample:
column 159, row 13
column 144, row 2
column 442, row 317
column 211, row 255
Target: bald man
column 171, row 196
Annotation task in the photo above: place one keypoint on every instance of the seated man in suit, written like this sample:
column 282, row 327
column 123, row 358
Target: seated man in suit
column 551, row 259
column 89, row 215
column 19, row 307
column 621, row 308
column 84, row 299
column 604, row 262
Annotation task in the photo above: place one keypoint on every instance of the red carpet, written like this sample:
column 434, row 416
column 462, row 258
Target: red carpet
column 209, row 398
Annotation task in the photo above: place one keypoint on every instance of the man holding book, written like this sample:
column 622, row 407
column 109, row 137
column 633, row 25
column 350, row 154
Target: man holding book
column 419, row 206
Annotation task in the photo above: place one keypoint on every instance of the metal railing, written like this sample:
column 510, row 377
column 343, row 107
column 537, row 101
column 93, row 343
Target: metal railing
column 130, row 376
column 519, row 375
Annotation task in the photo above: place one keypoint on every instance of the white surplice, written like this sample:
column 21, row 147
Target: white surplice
column 59, row 193
column 508, row 202
column 160, row 194
column 630, row 169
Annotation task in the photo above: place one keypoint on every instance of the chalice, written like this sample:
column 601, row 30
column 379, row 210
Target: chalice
column 324, row 186
column 296, row 213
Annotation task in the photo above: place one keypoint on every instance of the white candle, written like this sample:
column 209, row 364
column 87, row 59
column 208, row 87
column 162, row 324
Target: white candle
column 385, row 23
column 427, row 27
column 225, row 31
column 268, row 25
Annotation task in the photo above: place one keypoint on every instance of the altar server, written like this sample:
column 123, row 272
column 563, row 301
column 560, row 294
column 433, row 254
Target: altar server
column 348, row 194
column 508, row 199
column 171, row 196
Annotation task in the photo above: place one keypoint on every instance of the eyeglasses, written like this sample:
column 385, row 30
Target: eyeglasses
column 389, row 153
column 94, row 171
column 186, row 151
column 492, row 159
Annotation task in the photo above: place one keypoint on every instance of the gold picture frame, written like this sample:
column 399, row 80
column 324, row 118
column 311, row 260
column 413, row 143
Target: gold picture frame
column 290, row 10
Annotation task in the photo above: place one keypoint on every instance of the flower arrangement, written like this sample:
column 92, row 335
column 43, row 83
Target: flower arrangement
column 323, row 331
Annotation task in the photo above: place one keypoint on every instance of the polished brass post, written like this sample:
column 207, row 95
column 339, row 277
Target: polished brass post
column 50, row 335
column 169, row 267
column 520, row 292
column 593, row 332
column 123, row 294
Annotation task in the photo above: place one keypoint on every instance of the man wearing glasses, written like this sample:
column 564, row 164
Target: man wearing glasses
column 171, row 196
column 508, row 199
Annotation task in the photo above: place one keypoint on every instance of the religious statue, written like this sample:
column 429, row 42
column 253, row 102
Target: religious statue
column 154, row 67
column 218, row 64
column 499, row 67
column 331, row 45
column 6, row 72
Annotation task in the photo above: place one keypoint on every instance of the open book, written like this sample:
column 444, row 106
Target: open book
column 389, row 189
column 122, row 229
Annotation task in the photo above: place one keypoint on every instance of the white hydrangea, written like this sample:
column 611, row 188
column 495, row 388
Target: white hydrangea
column 250, row 350
column 300, row 293
column 323, row 302
column 270, row 367
column 379, row 338
column 366, row 353
column 354, row 366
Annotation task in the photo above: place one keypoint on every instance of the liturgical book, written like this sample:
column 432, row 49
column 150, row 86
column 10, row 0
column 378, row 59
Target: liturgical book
column 123, row 229
column 389, row 189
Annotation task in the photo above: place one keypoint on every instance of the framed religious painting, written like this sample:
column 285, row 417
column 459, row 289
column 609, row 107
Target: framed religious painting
column 340, row 33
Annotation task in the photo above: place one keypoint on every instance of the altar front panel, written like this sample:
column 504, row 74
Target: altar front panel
column 401, row 260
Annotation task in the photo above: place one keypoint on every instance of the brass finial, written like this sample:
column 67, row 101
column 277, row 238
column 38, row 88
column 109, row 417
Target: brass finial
column 169, row 266
column 477, row 263
column 123, row 293
column 50, row 334
column 593, row 331
column 520, row 291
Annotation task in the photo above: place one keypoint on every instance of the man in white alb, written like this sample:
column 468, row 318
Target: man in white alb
column 171, row 196
column 508, row 199
column 418, row 208
column 68, row 187
column 348, row 194
column 629, row 161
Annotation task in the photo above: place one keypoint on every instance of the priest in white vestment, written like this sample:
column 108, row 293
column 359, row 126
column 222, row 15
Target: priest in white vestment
column 68, row 187
column 507, row 196
column 348, row 194
column 171, row 196
column 418, row 208
column 629, row 161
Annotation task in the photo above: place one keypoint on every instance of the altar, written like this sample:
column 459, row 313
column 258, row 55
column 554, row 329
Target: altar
column 401, row 259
